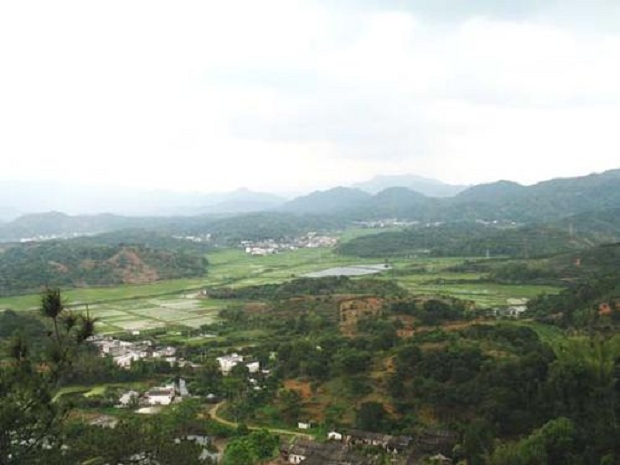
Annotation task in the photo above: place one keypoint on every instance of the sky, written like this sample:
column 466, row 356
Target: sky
column 288, row 95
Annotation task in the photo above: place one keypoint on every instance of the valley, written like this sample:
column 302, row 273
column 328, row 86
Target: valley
column 277, row 329
column 180, row 303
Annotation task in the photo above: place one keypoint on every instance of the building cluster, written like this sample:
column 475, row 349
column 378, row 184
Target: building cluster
column 386, row 223
column 322, row 453
column 53, row 237
column 344, row 448
column 159, row 395
column 124, row 353
column 196, row 239
column 273, row 246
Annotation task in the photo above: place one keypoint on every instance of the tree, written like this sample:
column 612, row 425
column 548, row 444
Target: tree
column 238, row 452
column 371, row 416
column 553, row 443
column 477, row 441
column 290, row 401
column 263, row 443
column 29, row 419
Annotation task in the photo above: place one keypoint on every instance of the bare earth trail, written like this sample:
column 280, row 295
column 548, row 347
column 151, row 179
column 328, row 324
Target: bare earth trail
column 213, row 412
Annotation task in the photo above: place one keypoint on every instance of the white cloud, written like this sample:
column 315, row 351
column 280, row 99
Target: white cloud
column 282, row 95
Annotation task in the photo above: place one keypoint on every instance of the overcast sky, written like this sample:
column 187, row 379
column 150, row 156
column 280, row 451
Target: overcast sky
column 286, row 95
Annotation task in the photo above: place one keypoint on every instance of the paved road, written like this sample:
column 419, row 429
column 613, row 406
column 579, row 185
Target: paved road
column 213, row 412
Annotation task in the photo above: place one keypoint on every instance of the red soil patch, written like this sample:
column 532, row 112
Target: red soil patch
column 604, row 309
column 132, row 268
column 303, row 387
column 353, row 309
column 256, row 307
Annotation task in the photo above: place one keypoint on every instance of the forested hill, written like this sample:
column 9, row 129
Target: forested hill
column 329, row 201
column 502, row 200
column 75, row 264
column 593, row 294
column 57, row 223
column 548, row 202
column 544, row 201
column 149, row 230
column 466, row 240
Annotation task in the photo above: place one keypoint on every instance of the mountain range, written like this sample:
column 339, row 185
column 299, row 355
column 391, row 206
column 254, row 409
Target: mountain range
column 547, row 201
column 501, row 200
column 19, row 198
column 427, row 186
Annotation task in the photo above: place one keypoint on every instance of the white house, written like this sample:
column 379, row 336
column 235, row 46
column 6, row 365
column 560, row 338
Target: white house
column 125, row 360
column 182, row 388
column 160, row 396
column 228, row 362
column 253, row 367
column 296, row 458
column 514, row 311
column 334, row 436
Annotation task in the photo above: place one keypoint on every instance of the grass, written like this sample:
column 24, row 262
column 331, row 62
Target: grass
column 82, row 296
column 551, row 335
column 484, row 294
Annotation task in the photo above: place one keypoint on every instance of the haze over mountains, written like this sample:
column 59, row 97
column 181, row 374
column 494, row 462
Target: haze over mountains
column 547, row 201
column 19, row 198
column 427, row 186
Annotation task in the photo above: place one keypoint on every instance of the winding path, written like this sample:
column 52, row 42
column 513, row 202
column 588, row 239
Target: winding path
column 213, row 412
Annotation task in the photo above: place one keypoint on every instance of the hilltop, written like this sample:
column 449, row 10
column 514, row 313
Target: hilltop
column 426, row 186
column 501, row 201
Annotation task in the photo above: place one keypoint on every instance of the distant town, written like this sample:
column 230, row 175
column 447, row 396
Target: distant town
column 272, row 246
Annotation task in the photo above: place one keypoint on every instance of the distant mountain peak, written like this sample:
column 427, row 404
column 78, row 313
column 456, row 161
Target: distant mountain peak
column 427, row 186
column 331, row 200
column 492, row 192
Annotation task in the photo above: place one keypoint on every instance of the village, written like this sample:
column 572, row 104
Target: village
column 125, row 353
column 273, row 246
column 356, row 447
column 337, row 447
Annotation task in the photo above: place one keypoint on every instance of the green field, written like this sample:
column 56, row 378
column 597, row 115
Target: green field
column 179, row 302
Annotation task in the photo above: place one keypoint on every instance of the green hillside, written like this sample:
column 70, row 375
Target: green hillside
column 466, row 240
column 76, row 264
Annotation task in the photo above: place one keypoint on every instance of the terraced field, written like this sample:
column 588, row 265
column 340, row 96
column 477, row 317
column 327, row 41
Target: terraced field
column 149, row 313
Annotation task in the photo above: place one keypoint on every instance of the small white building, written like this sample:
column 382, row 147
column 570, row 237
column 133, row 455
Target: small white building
column 160, row 396
column 125, row 360
column 334, row 436
column 182, row 388
column 253, row 367
column 228, row 362
column 515, row 311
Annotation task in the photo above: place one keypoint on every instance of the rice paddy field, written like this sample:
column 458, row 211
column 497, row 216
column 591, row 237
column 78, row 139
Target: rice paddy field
column 180, row 303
